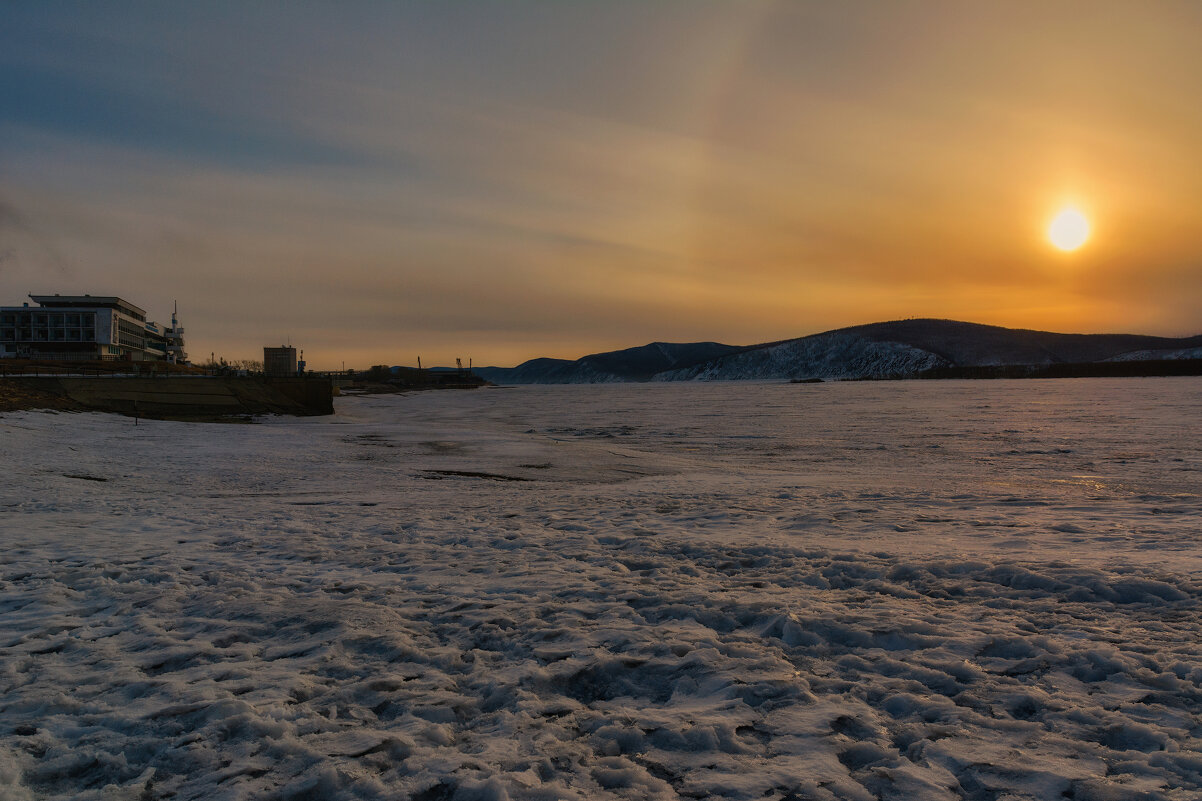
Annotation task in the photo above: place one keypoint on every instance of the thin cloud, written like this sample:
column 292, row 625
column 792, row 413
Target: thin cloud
column 542, row 179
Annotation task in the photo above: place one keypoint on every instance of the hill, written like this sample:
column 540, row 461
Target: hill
column 632, row 364
column 896, row 349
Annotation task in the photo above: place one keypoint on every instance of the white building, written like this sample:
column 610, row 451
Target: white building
column 86, row 327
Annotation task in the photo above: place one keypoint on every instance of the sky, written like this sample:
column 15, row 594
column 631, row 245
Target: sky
column 496, row 181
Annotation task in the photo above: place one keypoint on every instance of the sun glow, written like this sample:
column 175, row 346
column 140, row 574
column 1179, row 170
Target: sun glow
column 1069, row 229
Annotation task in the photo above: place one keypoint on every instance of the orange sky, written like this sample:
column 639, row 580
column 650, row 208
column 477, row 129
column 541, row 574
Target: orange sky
column 504, row 181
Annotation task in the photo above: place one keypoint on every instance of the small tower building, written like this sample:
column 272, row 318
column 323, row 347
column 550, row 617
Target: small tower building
column 279, row 362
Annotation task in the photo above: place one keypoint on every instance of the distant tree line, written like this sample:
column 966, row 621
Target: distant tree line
column 219, row 364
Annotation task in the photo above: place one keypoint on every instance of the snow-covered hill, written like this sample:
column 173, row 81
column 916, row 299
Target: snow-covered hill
column 1171, row 354
column 833, row 355
column 897, row 349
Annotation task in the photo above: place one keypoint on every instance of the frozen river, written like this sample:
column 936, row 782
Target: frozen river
column 901, row 590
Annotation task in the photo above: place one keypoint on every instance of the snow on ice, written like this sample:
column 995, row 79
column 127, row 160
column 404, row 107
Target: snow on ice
column 901, row 590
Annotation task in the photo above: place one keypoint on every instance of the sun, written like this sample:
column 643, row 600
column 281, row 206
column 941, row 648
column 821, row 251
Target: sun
column 1069, row 229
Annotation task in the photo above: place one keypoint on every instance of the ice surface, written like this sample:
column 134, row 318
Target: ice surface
column 902, row 590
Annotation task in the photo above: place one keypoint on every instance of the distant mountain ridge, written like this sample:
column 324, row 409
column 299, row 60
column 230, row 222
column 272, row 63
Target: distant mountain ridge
column 896, row 349
column 632, row 364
